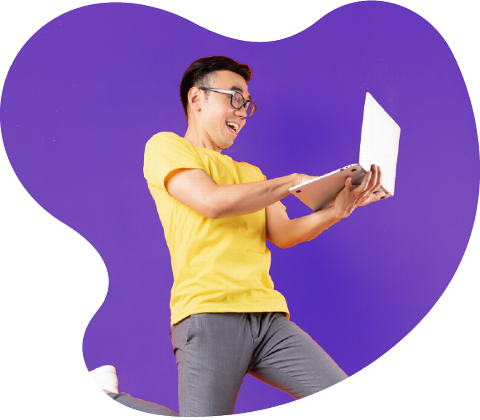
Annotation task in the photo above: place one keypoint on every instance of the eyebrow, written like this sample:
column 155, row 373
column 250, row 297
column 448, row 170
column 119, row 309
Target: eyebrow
column 241, row 91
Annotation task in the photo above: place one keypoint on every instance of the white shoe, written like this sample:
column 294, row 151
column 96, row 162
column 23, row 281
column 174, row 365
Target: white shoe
column 106, row 378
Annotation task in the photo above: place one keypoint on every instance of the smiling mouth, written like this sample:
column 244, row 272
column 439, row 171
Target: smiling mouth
column 234, row 127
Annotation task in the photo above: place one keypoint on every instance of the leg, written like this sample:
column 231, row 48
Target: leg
column 213, row 352
column 289, row 359
column 106, row 378
column 140, row 405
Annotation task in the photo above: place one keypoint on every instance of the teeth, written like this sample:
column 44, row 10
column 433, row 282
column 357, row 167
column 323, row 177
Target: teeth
column 233, row 125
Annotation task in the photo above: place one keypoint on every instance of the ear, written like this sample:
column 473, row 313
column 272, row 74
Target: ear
column 194, row 99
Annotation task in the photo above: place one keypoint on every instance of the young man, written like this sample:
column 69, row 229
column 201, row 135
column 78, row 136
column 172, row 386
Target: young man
column 227, row 319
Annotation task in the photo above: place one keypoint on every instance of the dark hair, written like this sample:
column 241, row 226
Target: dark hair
column 197, row 74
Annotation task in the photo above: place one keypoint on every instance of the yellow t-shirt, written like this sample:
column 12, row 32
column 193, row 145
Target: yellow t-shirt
column 219, row 265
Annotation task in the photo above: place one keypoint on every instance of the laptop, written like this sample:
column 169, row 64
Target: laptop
column 379, row 145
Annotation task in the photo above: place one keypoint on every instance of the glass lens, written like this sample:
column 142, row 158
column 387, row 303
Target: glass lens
column 237, row 100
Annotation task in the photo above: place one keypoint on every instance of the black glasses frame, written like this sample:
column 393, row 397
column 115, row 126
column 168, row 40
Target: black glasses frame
column 233, row 93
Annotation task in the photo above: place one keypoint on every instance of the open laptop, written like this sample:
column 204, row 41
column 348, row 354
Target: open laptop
column 378, row 145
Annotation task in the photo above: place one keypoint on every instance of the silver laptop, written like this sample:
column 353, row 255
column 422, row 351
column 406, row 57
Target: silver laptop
column 378, row 145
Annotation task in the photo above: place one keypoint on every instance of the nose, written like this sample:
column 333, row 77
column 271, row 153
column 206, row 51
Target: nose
column 242, row 112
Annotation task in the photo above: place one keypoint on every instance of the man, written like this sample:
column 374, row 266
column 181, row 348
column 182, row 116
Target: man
column 227, row 319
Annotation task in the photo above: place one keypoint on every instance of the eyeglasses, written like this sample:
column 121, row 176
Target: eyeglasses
column 236, row 100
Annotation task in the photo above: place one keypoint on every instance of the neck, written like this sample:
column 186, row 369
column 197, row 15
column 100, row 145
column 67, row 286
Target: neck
column 197, row 137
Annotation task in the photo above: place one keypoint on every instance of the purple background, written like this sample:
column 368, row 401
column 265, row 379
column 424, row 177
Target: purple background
column 89, row 89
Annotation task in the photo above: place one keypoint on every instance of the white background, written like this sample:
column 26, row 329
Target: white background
column 53, row 281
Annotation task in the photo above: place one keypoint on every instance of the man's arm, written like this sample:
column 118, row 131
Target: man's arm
column 197, row 190
column 286, row 233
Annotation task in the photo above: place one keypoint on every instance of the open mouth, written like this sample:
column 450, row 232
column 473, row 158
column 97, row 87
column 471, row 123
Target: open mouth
column 233, row 126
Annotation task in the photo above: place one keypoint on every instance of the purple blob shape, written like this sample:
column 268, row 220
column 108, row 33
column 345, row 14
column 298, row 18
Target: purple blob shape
column 89, row 88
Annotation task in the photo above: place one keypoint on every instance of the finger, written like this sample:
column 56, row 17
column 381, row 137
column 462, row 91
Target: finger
column 379, row 178
column 366, row 179
column 373, row 179
column 366, row 200
column 348, row 182
column 372, row 198
column 378, row 182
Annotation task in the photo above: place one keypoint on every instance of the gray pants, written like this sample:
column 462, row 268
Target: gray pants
column 214, row 352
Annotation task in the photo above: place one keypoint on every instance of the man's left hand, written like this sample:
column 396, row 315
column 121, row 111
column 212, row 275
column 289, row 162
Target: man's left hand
column 353, row 196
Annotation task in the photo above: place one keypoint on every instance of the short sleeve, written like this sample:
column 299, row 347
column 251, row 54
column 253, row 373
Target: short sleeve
column 164, row 153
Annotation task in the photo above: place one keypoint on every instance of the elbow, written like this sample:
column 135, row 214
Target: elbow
column 289, row 244
column 212, row 214
column 292, row 240
column 211, row 209
column 282, row 235
column 283, row 243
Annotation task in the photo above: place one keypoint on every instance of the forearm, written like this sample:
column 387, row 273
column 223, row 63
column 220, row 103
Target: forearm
column 240, row 199
column 306, row 228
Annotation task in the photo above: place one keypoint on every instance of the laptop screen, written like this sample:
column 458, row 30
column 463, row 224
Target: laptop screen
column 379, row 143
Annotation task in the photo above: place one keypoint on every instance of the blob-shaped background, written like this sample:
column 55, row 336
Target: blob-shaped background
column 89, row 89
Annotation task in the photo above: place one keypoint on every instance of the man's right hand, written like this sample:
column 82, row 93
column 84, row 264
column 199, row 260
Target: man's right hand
column 305, row 178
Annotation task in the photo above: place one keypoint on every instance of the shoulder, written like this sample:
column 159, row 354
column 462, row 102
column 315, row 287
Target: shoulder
column 165, row 137
column 168, row 143
column 252, row 168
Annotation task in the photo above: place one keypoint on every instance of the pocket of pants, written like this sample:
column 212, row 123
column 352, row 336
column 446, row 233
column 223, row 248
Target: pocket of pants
column 179, row 334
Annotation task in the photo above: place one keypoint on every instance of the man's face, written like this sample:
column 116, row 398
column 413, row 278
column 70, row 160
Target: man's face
column 217, row 114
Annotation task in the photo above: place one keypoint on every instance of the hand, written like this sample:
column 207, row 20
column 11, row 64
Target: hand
column 353, row 196
column 305, row 178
